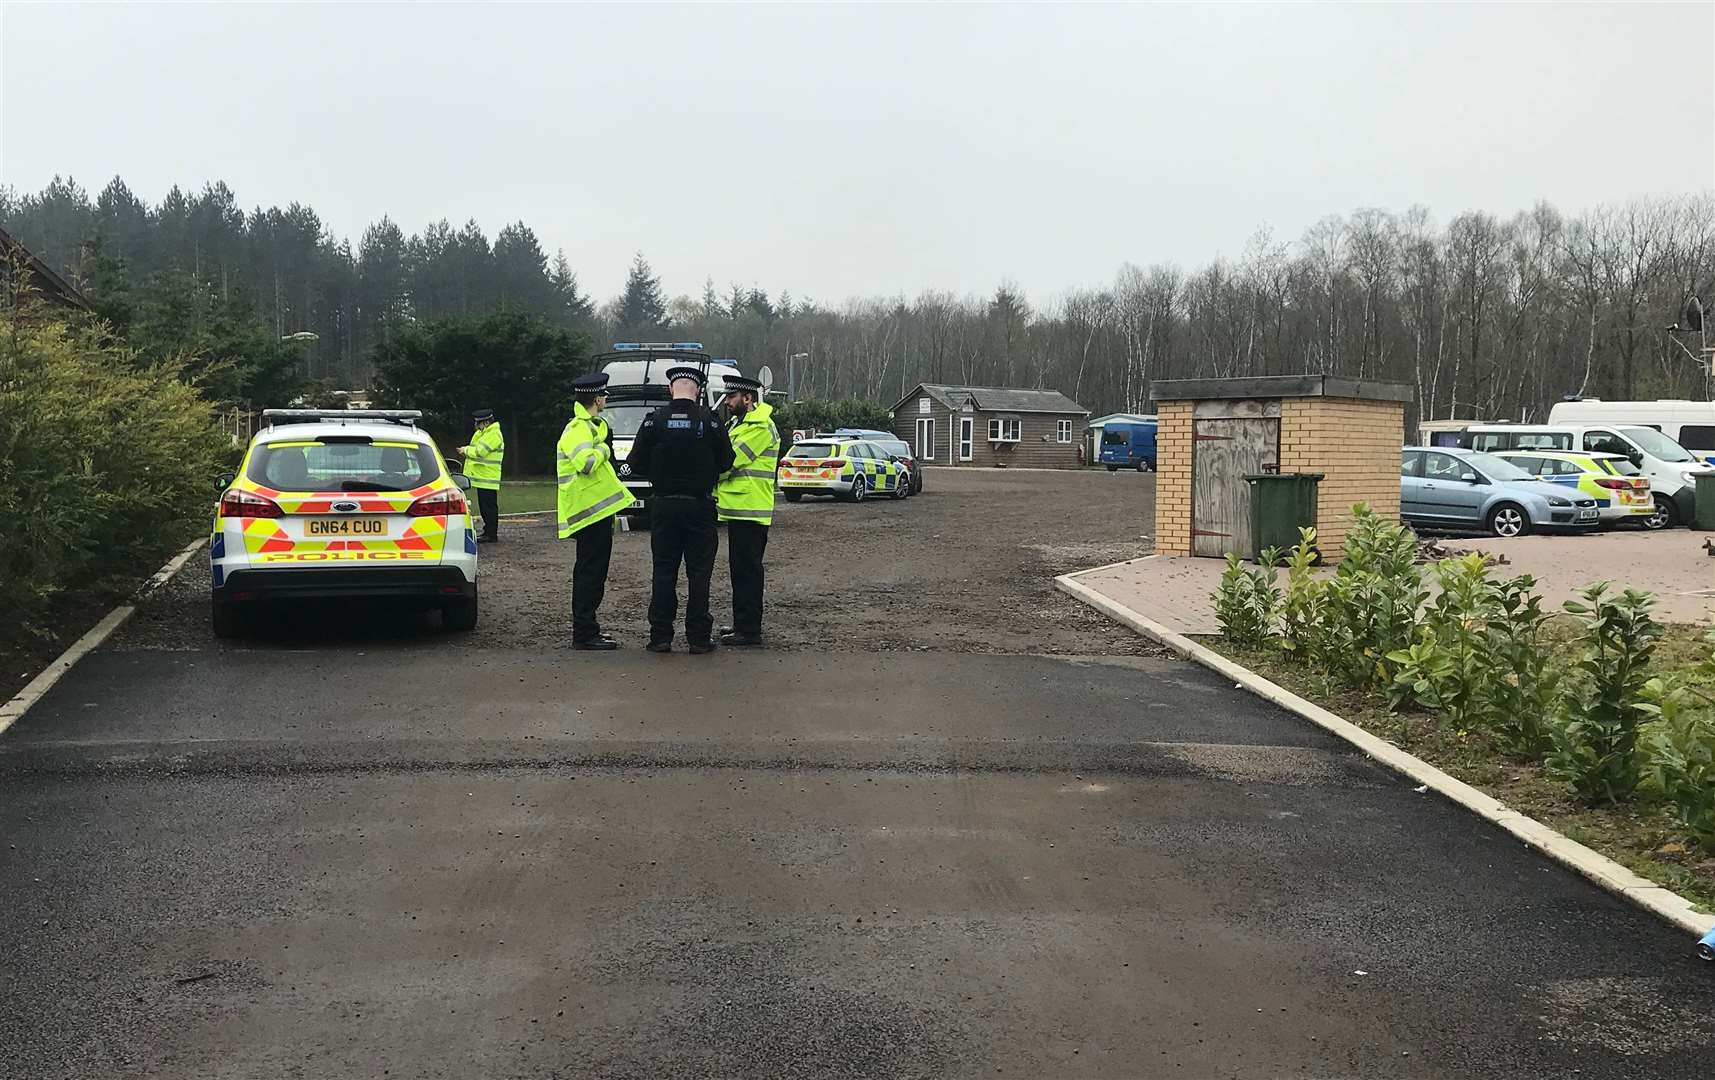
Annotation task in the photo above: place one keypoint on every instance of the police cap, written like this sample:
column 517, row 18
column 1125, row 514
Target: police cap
column 479, row 415
column 590, row 384
column 742, row 384
column 674, row 374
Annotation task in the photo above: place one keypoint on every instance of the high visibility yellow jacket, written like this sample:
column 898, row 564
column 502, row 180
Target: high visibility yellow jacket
column 746, row 491
column 590, row 490
column 482, row 463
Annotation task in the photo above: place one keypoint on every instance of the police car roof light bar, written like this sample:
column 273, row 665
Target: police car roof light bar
column 658, row 346
column 407, row 417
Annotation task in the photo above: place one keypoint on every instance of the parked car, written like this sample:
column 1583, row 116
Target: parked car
column 894, row 445
column 1128, row 445
column 1671, row 471
column 850, row 469
column 1621, row 492
column 342, row 504
column 1454, row 488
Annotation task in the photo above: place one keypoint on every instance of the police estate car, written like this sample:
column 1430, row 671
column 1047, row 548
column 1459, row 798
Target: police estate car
column 1621, row 491
column 850, row 469
column 342, row 503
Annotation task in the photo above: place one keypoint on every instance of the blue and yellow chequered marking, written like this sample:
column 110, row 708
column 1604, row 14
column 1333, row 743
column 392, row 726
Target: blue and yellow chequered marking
column 1585, row 483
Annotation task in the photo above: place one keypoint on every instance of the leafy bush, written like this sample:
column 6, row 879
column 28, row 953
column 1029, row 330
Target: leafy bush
column 1479, row 659
column 1596, row 740
column 1373, row 600
column 1247, row 600
column 1680, row 750
column 103, row 462
column 1304, row 608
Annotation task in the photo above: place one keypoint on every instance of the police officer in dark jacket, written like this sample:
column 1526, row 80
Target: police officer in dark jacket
column 682, row 450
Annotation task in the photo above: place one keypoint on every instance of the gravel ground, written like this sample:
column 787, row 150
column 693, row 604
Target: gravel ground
column 966, row 566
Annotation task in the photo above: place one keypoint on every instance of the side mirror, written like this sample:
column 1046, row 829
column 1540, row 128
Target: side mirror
column 461, row 480
column 224, row 480
column 1635, row 457
column 1471, row 478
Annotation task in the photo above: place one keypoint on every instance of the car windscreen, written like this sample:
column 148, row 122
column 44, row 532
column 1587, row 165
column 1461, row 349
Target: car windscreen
column 1114, row 437
column 342, row 463
column 1496, row 468
column 1619, row 466
column 1655, row 444
column 812, row 450
column 626, row 417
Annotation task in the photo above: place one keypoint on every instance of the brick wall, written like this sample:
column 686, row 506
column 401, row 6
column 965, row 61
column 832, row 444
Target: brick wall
column 1173, row 479
column 1355, row 445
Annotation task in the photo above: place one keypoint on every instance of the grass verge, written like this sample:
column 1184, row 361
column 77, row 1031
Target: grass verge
column 528, row 496
column 1640, row 836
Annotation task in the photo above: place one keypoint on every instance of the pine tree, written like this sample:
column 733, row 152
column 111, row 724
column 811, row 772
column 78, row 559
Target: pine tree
column 572, row 307
column 642, row 308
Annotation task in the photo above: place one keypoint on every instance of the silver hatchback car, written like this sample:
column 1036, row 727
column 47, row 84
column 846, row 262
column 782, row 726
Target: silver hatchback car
column 1450, row 488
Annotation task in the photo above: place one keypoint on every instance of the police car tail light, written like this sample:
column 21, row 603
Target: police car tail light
column 1610, row 482
column 834, row 463
column 439, row 504
column 244, row 504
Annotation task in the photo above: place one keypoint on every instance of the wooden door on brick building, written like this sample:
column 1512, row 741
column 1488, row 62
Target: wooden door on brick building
column 1230, row 440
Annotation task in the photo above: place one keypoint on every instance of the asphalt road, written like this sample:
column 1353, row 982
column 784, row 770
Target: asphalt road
column 952, row 828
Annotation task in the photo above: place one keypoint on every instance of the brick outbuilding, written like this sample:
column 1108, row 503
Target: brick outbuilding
column 1214, row 432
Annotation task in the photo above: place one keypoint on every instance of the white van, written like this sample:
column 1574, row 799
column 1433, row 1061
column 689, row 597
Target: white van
column 1669, row 467
column 1691, row 424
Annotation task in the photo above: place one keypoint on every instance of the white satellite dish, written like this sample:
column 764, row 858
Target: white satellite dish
column 766, row 377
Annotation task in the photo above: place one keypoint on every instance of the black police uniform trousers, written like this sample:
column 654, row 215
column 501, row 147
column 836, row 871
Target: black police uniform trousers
column 746, row 541
column 589, row 577
column 682, row 528
column 488, row 501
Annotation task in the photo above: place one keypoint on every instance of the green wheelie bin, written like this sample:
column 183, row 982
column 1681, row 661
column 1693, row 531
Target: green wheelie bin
column 1281, row 504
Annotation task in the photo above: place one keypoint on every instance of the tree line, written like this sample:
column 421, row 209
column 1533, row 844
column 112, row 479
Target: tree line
column 1485, row 316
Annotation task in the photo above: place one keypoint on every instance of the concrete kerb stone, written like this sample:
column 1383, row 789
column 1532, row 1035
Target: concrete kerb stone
column 1598, row 868
column 14, row 710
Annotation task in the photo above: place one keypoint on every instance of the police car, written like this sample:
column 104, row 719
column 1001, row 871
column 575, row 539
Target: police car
column 852, row 469
column 342, row 503
column 1621, row 491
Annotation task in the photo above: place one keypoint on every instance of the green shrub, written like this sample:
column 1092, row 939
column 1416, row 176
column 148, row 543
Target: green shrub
column 1304, row 607
column 103, row 463
column 1372, row 601
column 1596, row 739
column 1248, row 601
column 1680, row 751
column 1480, row 659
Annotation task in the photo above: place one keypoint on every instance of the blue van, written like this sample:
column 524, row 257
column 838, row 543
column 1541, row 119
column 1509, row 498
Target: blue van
column 1129, row 444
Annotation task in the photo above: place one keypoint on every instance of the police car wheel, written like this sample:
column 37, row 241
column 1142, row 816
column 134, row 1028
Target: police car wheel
column 459, row 615
column 860, row 488
column 225, row 620
column 794, row 496
column 901, row 487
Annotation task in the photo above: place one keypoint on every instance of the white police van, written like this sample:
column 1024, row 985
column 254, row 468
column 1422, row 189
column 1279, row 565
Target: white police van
column 637, row 385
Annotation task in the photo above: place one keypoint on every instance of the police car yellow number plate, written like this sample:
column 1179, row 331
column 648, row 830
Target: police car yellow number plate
column 344, row 526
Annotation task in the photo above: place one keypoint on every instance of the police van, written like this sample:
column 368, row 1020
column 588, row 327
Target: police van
column 1691, row 424
column 637, row 385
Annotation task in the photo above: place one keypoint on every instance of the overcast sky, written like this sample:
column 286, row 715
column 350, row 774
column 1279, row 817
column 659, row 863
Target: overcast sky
column 866, row 150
